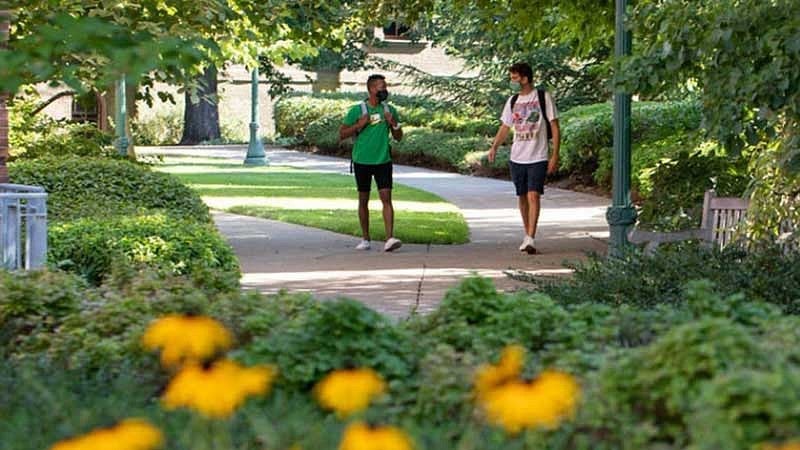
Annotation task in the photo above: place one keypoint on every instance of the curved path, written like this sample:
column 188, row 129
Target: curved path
column 275, row 255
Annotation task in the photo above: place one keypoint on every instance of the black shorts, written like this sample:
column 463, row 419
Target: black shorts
column 528, row 177
column 365, row 172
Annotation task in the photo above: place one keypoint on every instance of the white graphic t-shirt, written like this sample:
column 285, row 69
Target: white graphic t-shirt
column 530, row 134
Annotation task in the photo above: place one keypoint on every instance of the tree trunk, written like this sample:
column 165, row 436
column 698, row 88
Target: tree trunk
column 201, row 119
column 4, row 28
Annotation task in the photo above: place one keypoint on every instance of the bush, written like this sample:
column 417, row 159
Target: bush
column 36, row 136
column 161, row 128
column 588, row 131
column 91, row 187
column 420, row 146
column 648, row 395
column 294, row 114
column 330, row 335
column 33, row 302
column 645, row 281
column 674, row 187
column 93, row 247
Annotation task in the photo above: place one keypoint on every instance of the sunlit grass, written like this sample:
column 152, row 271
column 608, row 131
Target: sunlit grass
column 317, row 199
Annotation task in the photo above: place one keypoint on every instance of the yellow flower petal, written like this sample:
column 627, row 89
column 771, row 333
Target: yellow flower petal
column 349, row 391
column 130, row 434
column 360, row 436
column 183, row 339
column 508, row 368
column 219, row 390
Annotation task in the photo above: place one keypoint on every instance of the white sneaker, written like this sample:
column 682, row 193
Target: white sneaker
column 527, row 246
column 363, row 245
column 524, row 246
column 392, row 244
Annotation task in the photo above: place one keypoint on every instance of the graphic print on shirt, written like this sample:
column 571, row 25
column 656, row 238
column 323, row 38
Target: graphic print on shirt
column 525, row 117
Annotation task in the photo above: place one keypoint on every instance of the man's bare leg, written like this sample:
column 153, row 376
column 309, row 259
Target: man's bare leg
column 363, row 214
column 533, row 213
column 388, row 212
column 524, row 211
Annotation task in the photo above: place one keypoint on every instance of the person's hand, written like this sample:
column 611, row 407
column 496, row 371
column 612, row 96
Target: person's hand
column 552, row 165
column 389, row 118
column 492, row 154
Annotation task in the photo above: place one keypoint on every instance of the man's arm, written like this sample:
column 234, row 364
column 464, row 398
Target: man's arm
column 394, row 126
column 499, row 138
column 346, row 131
column 552, row 165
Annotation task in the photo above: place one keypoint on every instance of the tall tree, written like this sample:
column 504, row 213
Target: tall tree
column 201, row 111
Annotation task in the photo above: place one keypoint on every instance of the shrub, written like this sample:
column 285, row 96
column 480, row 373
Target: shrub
column 93, row 247
column 294, row 114
column 161, row 128
column 657, row 384
column 330, row 335
column 674, row 187
column 34, row 136
column 31, row 302
column 648, row 281
column 745, row 408
column 92, row 187
column 588, row 131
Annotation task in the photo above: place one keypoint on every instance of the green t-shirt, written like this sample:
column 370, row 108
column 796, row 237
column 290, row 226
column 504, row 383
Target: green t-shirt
column 372, row 143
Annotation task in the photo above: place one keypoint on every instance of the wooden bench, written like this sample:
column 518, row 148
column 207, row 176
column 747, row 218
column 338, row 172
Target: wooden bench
column 721, row 218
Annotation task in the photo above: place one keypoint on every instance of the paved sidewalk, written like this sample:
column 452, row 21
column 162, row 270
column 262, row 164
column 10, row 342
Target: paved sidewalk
column 276, row 255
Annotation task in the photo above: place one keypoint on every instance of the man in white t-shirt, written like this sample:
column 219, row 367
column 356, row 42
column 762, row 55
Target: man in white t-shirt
column 529, row 162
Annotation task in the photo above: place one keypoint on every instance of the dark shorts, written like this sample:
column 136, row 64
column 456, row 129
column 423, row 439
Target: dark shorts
column 528, row 177
column 365, row 172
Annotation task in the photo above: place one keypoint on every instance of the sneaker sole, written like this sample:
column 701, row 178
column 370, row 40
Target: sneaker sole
column 394, row 247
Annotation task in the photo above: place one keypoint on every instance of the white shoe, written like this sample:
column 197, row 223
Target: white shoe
column 527, row 246
column 525, row 242
column 392, row 244
column 363, row 245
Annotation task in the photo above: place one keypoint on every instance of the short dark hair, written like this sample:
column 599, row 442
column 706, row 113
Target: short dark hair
column 522, row 69
column 373, row 78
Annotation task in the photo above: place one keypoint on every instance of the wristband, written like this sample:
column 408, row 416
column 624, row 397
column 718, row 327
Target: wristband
column 396, row 127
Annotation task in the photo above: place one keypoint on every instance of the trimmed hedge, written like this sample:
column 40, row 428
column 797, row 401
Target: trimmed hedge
column 99, row 187
column 588, row 131
column 94, row 247
column 294, row 114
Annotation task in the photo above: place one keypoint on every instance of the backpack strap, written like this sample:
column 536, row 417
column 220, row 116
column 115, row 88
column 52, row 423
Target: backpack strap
column 513, row 102
column 543, row 107
column 364, row 110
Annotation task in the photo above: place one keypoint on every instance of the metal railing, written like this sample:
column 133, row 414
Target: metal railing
column 23, row 215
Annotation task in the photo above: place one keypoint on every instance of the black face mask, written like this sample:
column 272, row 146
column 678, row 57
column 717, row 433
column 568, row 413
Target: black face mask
column 382, row 95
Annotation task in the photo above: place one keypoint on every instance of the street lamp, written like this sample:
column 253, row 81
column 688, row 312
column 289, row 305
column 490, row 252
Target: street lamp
column 121, row 118
column 621, row 215
column 255, row 149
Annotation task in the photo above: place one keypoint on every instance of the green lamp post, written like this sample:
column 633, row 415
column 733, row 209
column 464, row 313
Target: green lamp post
column 621, row 215
column 121, row 118
column 255, row 149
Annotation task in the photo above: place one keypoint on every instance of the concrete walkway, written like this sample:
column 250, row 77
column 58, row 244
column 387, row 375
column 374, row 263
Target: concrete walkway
column 276, row 255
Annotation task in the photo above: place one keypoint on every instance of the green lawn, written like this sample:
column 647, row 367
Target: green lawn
column 317, row 199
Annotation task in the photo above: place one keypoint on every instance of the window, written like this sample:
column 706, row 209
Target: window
column 396, row 31
column 84, row 108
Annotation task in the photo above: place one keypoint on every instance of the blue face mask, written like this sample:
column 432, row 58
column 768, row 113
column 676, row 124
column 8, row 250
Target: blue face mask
column 515, row 85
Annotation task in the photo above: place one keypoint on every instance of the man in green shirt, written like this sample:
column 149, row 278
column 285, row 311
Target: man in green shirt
column 371, row 122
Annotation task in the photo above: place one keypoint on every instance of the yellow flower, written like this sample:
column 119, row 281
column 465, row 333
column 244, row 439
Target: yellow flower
column 542, row 403
column 349, row 391
column 360, row 436
column 130, row 434
column 217, row 391
column 186, row 339
column 791, row 445
column 508, row 368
